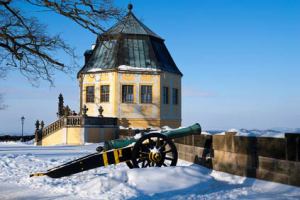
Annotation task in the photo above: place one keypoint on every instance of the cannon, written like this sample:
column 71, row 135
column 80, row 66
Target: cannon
column 154, row 149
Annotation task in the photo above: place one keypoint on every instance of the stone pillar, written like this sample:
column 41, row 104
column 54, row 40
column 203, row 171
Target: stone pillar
column 229, row 141
column 36, row 133
column 292, row 146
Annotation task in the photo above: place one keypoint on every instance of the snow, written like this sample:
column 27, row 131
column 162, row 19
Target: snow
column 137, row 136
column 254, row 132
column 30, row 142
column 126, row 67
column 185, row 181
column 95, row 70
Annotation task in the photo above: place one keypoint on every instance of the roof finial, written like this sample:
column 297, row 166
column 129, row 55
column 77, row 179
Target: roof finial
column 130, row 6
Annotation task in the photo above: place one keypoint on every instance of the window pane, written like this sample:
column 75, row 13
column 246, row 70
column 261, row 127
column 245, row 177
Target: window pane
column 90, row 94
column 126, row 52
column 146, row 94
column 127, row 94
column 104, row 93
column 142, row 53
column 165, row 95
column 175, row 96
column 131, row 54
column 136, row 53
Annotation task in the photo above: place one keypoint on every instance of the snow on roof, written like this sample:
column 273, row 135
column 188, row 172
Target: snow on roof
column 130, row 68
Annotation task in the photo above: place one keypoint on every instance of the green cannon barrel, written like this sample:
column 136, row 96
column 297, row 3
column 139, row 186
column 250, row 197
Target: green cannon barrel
column 182, row 132
column 176, row 133
column 118, row 143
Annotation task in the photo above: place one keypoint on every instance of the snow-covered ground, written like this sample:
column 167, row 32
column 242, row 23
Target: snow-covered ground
column 186, row 181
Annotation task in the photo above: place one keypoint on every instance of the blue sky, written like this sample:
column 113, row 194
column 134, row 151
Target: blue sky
column 240, row 60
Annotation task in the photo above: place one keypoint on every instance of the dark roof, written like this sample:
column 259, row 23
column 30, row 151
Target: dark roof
column 130, row 25
column 130, row 43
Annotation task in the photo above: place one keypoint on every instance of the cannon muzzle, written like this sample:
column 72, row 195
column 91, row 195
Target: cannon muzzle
column 182, row 132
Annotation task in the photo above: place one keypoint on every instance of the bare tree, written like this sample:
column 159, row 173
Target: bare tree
column 25, row 44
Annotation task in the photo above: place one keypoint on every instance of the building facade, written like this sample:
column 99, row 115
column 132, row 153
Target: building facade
column 132, row 76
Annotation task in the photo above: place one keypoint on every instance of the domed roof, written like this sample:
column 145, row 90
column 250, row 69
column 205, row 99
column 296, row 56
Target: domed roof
column 130, row 45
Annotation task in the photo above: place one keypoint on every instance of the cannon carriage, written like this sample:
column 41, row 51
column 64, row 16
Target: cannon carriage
column 154, row 149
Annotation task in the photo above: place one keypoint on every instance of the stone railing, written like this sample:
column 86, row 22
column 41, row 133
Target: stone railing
column 58, row 124
column 100, row 121
column 74, row 121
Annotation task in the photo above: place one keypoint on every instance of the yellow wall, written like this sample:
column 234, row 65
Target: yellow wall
column 139, row 122
column 74, row 135
column 79, row 135
column 54, row 139
column 135, row 114
column 149, row 123
column 97, row 80
column 137, row 109
column 171, row 112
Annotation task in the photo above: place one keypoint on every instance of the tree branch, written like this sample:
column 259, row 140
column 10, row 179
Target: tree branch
column 26, row 46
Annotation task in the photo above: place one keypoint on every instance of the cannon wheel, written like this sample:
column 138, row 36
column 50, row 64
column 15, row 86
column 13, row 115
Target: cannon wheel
column 129, row 164
column 154, row 150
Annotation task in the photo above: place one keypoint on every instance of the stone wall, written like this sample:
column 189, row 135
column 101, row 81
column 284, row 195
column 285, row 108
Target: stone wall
column 272, row 159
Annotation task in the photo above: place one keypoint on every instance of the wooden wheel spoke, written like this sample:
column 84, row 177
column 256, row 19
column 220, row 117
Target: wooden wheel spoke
column 154, row 142
column 150, row 141
column 141, row 159
column 157, row 142
column 148, row 164
column 163, row 145
column 168, row 158
column 169, row 151
column 144, row 157
column 143, row 163
column 144, row 153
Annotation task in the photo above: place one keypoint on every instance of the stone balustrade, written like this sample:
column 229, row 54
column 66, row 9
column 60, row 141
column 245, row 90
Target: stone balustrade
column 73, row 121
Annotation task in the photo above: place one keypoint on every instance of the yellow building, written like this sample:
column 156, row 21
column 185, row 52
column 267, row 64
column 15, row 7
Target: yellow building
column 132, row 76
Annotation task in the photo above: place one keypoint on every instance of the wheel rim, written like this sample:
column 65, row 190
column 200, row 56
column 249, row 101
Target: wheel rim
column 154, row 150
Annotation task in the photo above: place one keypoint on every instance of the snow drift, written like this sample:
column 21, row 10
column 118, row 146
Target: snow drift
column 186, row 181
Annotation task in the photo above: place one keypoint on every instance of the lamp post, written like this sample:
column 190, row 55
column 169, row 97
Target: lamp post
column 22, row 121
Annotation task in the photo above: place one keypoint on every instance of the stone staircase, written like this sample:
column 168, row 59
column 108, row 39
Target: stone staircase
column 69, row 122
